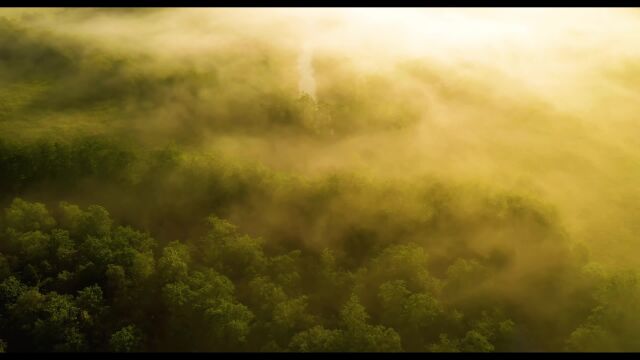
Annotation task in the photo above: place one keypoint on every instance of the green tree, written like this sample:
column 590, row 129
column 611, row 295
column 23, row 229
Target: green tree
column 127, row 339
column 317, row 339
column 23, row 216
column 359, row 335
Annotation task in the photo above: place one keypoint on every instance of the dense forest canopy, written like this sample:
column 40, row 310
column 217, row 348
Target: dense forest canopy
column 329, row 180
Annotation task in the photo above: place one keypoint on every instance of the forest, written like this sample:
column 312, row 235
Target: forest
column 200, row 180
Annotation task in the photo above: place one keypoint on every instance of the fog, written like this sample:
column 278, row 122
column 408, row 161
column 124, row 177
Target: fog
column 306, row 126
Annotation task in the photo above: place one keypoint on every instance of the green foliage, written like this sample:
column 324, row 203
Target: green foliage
column 60, row 163
column 108, row 157
column 359, row 335
column 174, row 263
column 126, row 339
column 474, row 341
column 354, row 334
column 24, row 217
column 232, row 254
column 413, row 315
column 71, row 289
column 614, row 317
column 317, row 339
column 70, row 277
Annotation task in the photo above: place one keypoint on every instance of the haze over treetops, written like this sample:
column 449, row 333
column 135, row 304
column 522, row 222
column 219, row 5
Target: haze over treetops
column 319, row 179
